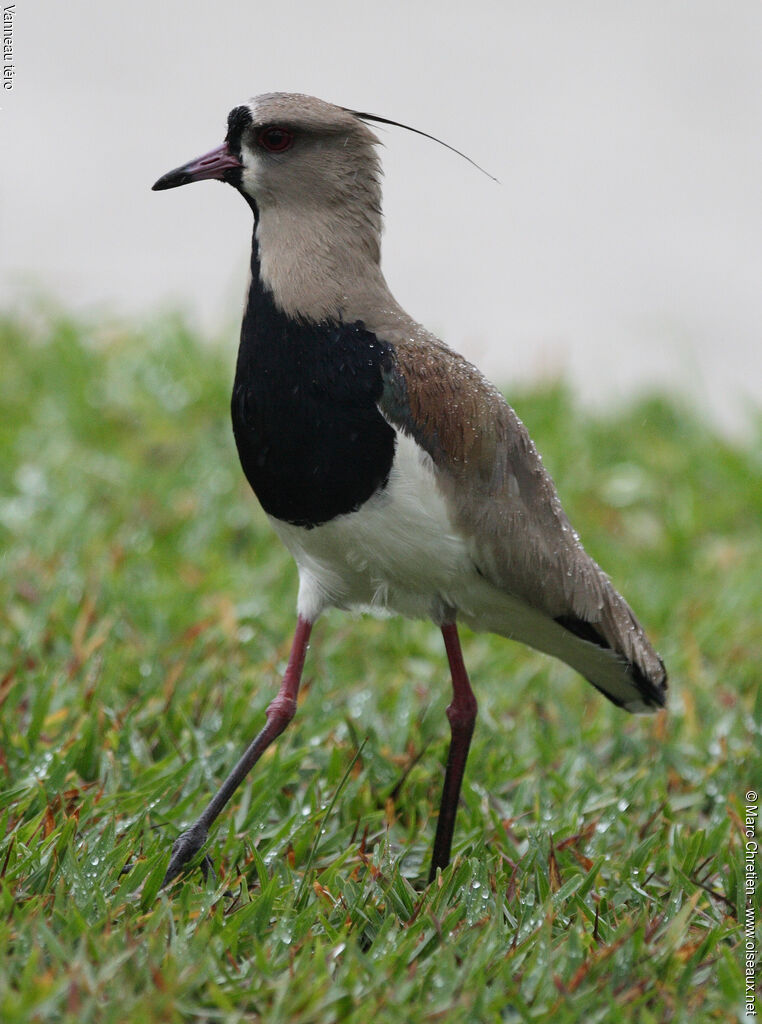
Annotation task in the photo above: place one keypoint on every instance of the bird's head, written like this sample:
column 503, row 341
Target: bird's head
column 293, row 152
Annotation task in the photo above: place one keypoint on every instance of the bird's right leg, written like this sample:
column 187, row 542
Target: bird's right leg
column 462, row 717
column 279, row 714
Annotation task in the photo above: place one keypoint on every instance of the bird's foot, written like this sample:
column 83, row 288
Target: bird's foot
column 184, row 849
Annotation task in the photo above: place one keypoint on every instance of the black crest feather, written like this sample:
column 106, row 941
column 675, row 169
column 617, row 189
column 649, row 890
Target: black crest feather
column 417, row 131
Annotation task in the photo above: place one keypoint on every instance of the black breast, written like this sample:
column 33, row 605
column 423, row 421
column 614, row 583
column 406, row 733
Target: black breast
column 311, row 440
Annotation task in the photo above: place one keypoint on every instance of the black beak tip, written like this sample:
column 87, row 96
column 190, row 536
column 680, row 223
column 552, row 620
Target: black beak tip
column 172, row 179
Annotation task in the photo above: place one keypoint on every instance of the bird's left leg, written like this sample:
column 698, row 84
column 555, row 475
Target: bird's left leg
column 462, row 715
column 279, row 714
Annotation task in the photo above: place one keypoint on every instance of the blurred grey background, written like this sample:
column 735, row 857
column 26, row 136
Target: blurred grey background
column 622, row 248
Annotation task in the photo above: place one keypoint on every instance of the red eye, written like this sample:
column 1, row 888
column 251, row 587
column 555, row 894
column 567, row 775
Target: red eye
column 275, row 140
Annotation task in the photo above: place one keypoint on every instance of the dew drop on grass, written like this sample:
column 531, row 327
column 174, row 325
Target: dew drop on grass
column 41, row 769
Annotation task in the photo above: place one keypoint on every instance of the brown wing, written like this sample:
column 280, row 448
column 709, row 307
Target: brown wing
column 505, row 502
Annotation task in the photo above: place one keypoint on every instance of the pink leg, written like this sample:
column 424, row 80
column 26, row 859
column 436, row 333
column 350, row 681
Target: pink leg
column 462, row 715
column 279, row 714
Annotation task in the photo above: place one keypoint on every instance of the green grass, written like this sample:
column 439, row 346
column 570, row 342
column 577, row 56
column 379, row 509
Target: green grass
column 145, row 614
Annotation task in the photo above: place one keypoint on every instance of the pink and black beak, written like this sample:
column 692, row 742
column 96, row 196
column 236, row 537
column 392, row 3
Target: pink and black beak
column 221, row 164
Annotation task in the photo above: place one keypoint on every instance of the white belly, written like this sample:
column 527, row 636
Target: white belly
column 399, row 552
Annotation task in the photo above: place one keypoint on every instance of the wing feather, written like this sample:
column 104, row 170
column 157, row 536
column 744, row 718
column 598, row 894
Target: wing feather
column 505, row 503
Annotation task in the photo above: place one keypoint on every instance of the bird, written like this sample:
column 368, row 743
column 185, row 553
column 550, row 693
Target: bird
column 395, row 473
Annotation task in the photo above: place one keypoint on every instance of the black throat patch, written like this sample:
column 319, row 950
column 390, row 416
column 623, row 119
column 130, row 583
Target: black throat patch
column 311, row 440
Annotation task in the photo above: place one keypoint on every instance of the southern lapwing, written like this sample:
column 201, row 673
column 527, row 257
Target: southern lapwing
column 395, row 474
